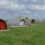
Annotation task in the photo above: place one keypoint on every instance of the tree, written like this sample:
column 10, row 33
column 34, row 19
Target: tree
column 20, row 17
column 26, row 18
column 6, row 21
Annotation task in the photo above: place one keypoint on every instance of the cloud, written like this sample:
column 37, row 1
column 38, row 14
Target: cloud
column 38, row 0
column 16, row 6
column 36, row 7
column 37, row 15
column 22, row 8
column 10, row 5
column 27, row 11
column 34, row 0
column 3, row 2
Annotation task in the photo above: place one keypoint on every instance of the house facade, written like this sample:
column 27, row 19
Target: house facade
column 19, row 22
column 3, row 25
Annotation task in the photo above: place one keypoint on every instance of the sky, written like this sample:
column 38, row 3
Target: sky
column 34, row 9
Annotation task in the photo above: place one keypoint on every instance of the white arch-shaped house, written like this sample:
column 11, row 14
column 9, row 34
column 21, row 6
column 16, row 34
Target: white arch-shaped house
column 18, row 22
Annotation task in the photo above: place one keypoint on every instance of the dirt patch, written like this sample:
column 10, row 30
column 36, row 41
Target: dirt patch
column 18, row 26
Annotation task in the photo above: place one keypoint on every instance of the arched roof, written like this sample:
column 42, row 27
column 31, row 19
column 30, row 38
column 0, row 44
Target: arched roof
column 2, row 20
column 4, row 23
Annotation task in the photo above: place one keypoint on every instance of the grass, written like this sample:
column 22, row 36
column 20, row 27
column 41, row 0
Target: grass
column 32, row 35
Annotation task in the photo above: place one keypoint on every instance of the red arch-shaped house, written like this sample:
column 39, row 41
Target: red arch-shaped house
column 3, row 25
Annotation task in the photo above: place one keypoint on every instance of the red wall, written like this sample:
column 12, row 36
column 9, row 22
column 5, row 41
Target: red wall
column 3, row 25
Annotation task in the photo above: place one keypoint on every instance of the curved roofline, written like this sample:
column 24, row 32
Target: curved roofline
column 4, row 22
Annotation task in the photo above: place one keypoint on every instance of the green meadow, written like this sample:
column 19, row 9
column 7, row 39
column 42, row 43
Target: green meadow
column 31, row 35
